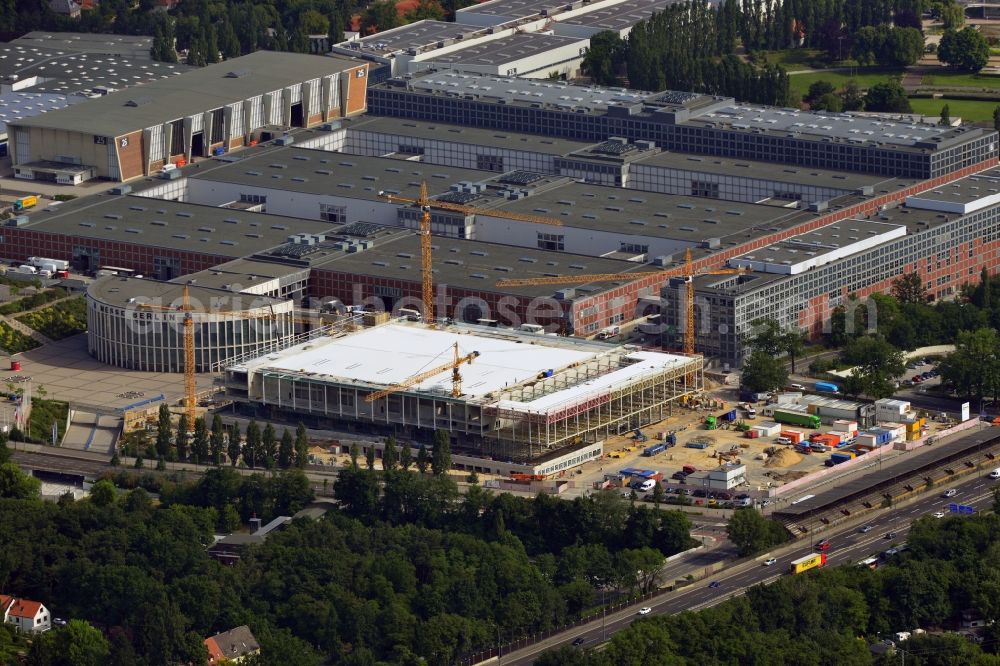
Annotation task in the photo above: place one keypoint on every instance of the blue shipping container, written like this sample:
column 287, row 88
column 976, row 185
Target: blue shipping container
column 653, row 450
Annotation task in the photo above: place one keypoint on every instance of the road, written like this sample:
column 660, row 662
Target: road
column 848, row 545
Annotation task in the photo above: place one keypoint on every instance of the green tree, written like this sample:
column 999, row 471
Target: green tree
column 103, row 493
column 817, row 89
column 405, row 457
column 15, row 484
column 76, row 644
column 164, row 434
column 234, row 446
column 945, row 121
column 286, row 450
column 974, row 366
column 996, row 118
column 217, row 440
column 370, row 457
column 604, row 57
column 793, row 343
column 429, row 10
column 441, row 455
column 268, row 447
column 181, row 439
column 903, row 47
column 852, row 98
column 200, row 442
column 389, row 455
column 380, row 16
column 355, row 454
column 301, row 445
column 966, row 50
column 252, row 446
column 876, row 362
column 423, row 459
column 952, row 15
column 887, row 97
column 752, row 533
column 909, row 288
column 828, row 102
column 5, row 453
column 763, row 372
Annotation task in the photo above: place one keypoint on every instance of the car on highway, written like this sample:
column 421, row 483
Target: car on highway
column 769, row 562
column 823, row 545
column 865, row 529
column 951, row 492
column 889, row 535
column 938, row 514
column 714, row 584
column 797, row 387
column 645, row 610
column 579, row 640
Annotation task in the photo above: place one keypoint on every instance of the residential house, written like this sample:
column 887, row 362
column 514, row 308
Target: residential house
column 231, row 646
column 26, row 615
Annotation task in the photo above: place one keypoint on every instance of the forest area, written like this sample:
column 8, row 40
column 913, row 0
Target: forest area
column 408, row 571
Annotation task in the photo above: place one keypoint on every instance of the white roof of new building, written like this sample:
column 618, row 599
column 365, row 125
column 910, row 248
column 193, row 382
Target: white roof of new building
column 646, row 363
column 393, row 353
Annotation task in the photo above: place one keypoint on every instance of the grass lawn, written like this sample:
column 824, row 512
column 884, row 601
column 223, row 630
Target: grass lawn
column 951, row 79
column 866, row 78
column 43, row 413
column 967, row 110
column 793, row 59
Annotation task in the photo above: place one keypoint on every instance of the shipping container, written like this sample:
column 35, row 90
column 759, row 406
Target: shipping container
column 751, row 434
column 828, row 387
column 653, row 450
column 729, row 416
column 796, row 418
column 794, row 436
column 808, row 562
column 766, row 429
column 841, row 457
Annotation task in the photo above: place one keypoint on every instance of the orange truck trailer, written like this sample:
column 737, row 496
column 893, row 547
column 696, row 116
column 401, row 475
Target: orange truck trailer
column 808, row 562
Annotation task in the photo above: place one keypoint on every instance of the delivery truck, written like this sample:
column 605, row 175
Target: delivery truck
column 797, row 418
column 808, row 562
column 24, row 203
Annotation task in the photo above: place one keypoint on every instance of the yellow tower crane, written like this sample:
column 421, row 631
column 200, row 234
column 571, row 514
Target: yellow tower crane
column 686, row 271
column 453, row 365
column 426, row 259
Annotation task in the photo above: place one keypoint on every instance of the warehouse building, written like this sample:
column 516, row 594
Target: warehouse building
column 947, row 235
column 208, row 111
column 523, row 398
column 686, row 122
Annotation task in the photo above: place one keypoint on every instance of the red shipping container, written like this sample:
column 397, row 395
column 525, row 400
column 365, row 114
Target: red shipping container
column 794, row 435
column 751, row 434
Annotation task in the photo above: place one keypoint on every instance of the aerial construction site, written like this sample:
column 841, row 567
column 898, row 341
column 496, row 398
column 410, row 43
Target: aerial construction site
column 503, row 394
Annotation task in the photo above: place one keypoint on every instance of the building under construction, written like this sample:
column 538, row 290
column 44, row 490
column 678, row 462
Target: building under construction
column 519, row 397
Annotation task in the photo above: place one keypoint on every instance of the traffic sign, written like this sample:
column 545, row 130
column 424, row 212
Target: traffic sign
column 953, row 508
column 963, row 509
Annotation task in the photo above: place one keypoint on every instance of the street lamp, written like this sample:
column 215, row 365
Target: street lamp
column 499, row 645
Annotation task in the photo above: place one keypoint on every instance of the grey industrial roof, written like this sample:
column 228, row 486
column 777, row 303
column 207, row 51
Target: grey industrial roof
column 468, row 135
column 820, row 241
column 467, row 264
column 636, row 212
column 121, row 291
column 135, row 47
column 15, row 106
column 513, row 8
column 968, row 189
column 508, row 49
column 68, row 72
column 826, row 126
column 334, row 174
column 171, row 224
column 241, row 274
column 726, row 166
column 197, row 90
column 620, row 16
column 417, row 35
column 528, row 91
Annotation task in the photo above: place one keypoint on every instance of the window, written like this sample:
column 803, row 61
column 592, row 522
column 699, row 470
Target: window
column 633, row 248
column 331, row 213
column 552, row 242
column 489, row 162
column 704, row 189
column 253, row 198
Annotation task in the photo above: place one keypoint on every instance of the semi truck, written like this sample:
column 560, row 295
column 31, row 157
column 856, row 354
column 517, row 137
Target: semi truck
column 797, row 418
column 654, row 449
column 710, row 423
column 808, row 562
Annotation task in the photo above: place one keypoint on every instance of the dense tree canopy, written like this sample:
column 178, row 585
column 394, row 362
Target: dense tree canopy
column 965, row 49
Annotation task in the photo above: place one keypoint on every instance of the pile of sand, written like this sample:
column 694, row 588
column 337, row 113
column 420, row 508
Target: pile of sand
column 783, row 458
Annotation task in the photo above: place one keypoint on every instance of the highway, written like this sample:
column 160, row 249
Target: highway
column 848, row 546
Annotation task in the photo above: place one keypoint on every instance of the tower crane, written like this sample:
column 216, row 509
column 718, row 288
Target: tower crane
column 453, row 365
column 190, row 386
column 426, row 260
column 686, row 271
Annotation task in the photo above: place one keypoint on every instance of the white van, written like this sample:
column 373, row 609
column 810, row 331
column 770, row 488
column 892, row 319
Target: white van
column 995, row 474
column 646, row 485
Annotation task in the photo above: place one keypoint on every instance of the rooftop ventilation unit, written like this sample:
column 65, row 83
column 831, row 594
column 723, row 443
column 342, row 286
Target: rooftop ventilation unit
column 238, row 74
column 139, row 101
